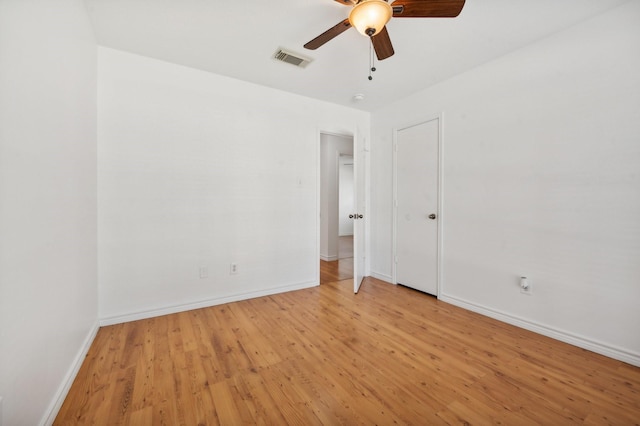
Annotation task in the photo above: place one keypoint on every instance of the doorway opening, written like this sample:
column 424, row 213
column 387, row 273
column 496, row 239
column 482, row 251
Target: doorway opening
column 337, row 204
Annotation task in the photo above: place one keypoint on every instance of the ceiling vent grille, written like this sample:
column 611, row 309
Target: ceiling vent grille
column 292, row 58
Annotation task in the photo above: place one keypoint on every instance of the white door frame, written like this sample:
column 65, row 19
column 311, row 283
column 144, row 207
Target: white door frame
column 439, row 208
column 358, row 162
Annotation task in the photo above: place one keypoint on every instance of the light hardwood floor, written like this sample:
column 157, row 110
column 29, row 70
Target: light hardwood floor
column 388, row 355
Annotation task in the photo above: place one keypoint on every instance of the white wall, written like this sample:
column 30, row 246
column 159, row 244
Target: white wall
column 48, row 216
column 541, row 178
column 199, row 170
column 331, row 147
column 346, row 203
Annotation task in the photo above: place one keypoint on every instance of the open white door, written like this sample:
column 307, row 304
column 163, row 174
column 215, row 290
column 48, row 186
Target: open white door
column 359, row 219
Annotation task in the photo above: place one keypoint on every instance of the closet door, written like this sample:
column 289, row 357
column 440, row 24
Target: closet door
column 416, row 188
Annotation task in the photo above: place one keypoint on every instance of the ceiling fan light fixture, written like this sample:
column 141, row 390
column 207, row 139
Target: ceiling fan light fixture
column 370, row 16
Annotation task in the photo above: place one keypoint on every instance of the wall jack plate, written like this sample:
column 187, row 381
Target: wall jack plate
column 233, row 268
column 204, row 272
column 525, row 286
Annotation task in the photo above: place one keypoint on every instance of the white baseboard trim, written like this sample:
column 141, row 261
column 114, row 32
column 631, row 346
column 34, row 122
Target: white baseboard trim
column 381, row 277
column 564, row 336
column 134, row 316
column 63, row 389
column 328, row 258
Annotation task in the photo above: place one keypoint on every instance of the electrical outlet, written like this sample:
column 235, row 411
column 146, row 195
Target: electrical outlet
column 204, row 272
column 525, row 286
column 233, row 269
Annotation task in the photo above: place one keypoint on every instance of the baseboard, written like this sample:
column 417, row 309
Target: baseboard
column 63, row 390
column 328, row 258
column 564, row 336
column 382, row 277
column 134, row 316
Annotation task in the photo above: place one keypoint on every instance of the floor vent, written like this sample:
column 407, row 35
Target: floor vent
column 292, row 58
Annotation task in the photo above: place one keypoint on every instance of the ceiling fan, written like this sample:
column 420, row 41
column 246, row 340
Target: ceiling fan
column 369, row 17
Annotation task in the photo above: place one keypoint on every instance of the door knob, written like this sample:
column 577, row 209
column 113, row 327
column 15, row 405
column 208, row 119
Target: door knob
column 359, row 216
column 432, row 216
column 351, row 216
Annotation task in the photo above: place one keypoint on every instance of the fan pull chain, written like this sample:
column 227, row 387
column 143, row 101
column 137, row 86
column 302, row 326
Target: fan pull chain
column 372, row 67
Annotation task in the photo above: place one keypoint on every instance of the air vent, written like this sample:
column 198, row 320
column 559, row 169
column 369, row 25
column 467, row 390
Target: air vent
column 292, row 58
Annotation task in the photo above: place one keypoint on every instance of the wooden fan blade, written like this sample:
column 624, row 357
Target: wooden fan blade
column 427, row 8
column 328, row 35
column 382, row 44
column 347, row 2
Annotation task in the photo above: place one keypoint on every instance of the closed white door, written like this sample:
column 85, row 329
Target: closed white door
column 417, row 206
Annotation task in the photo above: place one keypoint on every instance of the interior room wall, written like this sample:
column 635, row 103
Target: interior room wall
column 331, row 147
column 198, row 172
column 48, row 213
column 541, row 178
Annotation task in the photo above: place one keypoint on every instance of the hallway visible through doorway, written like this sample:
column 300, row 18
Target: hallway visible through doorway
column 341, row 269
column 345, row 246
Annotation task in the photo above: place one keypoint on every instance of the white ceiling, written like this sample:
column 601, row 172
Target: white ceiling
column 238, row 39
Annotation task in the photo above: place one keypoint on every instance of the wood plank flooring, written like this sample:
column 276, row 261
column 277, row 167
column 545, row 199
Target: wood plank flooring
column 388, row 355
